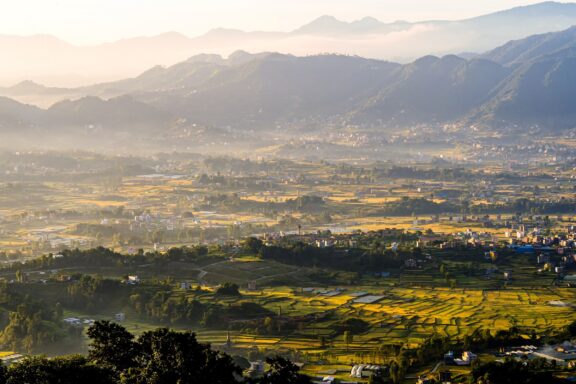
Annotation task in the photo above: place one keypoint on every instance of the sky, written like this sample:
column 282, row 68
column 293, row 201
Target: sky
column 87, row 22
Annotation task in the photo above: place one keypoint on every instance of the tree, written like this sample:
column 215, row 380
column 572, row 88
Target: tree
column 377, row 378
column 112, row 345
column 61, row 370
column 228, row 289
column 572, row 329
column 348, row 338
column 282, row 371
column 510, row 372
column 176, row 357
column 253, row 245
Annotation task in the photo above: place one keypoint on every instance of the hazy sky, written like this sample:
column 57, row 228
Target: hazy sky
column 95, row 21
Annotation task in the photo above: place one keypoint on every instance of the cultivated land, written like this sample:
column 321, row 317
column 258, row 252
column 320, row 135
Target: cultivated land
column 404, row 249
column 404, row 309
column 84, row 200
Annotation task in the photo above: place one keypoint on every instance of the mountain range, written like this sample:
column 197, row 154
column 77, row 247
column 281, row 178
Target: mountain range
column 523, row 84
column 49, row 60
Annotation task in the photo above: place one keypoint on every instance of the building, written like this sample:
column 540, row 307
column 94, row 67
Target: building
column 364, row 370
column 563, row 354
column 74, row 321
column 467, row 358
column 133, row 279
column 256, row 369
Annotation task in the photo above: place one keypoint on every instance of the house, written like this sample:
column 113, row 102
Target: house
column 133, row 279
column 120, row 316
column 64, row 278
column 467, row 358
column 73, row 321
column 364, row 370
column 256, row 369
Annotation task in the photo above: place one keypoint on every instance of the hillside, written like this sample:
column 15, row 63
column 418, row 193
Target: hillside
column 24, row 58
column 525, row 82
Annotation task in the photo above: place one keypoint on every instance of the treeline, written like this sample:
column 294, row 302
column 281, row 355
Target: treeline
column 233, row 202
column 527, row 206
column 415, row 206
column 104, row 257
column 353, row 259
column 421, row 206
column 162, row 307
column 250, row 183
column 159, row 303
column 156, row 357
column 537, row 371
column 166, row 306
column 398, row 172
column 235, row 165
column 92, row 294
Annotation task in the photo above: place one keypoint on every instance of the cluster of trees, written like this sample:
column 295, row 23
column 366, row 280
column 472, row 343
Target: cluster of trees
column 399, row 172
column 350, row 259
column 421, row 206
column 156, row 357
column 482, row 339
column 162, row 307
column 531, row 206
column 306, row 203
column 104, row 257
column 415, row 206
column 228, row 289
column 514, row 372
column 32, row 326
column 165, row 307
column 251, row 183
column 233, row 202
column 235, row 165
column 92, row 293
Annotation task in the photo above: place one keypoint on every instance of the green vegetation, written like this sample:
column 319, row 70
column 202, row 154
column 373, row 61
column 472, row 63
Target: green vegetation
column 155, row 357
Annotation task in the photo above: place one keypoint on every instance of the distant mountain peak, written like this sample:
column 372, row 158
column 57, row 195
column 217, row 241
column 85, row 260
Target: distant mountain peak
column 368, row 21
column 27, row 85
column 326, row 18
column 323, row 24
